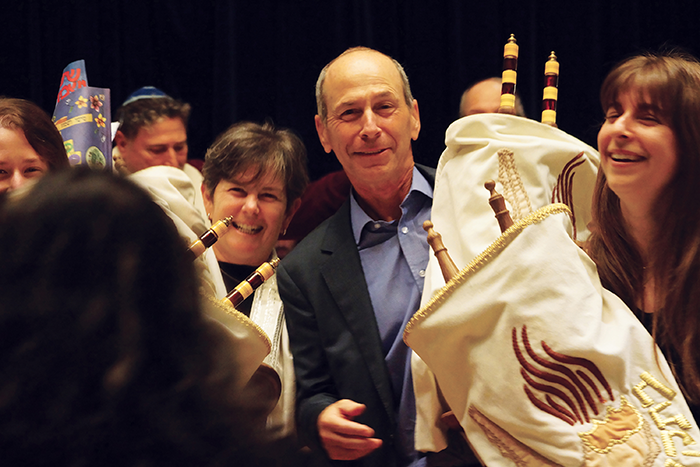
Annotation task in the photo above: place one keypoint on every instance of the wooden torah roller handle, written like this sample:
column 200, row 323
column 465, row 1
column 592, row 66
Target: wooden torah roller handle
column 447, row 266
column 498, row 204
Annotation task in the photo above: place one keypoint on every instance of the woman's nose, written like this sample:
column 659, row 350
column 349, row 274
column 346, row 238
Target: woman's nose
column 621, row 126
column 17, row 180
column 250, row 204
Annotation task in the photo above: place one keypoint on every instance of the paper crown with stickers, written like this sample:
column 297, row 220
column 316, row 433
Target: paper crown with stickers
column 83, row 117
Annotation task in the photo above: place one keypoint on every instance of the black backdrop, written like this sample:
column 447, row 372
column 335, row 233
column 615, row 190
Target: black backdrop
column 256, row 59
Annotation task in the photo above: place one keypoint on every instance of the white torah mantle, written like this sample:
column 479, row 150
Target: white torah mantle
column 540, row 364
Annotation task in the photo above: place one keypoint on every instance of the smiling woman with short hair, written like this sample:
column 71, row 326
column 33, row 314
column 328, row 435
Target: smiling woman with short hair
column 256, row 175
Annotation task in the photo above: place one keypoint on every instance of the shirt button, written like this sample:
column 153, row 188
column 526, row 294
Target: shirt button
column 404, row 229
column 421, row 273
column 376, row 225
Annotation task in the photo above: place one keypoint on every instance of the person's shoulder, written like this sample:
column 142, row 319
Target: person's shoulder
column 309, row 245
column 193, row 173
column 162, row 177
column 312, row 249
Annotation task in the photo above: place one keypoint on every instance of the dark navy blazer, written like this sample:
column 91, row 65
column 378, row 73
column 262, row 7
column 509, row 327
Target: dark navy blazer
column 334, row 335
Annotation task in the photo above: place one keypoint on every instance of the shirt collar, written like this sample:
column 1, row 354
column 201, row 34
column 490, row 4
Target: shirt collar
column 359, row 217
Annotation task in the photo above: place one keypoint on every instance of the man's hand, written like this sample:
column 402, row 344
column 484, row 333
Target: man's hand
column 342, row 438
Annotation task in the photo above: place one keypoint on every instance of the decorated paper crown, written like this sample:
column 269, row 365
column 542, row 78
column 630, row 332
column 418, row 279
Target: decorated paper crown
column 82, row 116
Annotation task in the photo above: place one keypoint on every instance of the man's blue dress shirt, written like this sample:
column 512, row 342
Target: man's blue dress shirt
column 394, row 256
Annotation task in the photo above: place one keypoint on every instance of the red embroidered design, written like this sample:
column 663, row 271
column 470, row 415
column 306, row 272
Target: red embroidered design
column 563, row 191
column 589, row 365
column 575, row 382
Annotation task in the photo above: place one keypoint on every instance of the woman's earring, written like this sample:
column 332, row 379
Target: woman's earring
column 209, row 216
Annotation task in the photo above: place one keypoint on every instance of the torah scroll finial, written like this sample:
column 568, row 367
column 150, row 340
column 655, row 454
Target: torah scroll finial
column 447, row 266
column 498, row 204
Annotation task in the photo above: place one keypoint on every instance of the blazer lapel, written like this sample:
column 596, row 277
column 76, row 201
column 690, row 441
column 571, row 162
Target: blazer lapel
column 346, row 282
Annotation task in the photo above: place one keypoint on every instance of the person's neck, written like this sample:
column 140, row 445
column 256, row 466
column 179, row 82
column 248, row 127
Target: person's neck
column 382, row 201
column 640, row 225
column 224, row 256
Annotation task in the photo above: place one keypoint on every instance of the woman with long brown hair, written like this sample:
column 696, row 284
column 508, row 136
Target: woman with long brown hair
column 646, row 235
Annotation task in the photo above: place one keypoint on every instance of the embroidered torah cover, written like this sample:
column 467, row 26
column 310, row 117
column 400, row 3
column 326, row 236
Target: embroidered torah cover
column 542, row 366
column 533, row 164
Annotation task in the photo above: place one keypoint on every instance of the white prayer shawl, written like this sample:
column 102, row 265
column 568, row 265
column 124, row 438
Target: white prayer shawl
column 481, row 336
column 268, row 312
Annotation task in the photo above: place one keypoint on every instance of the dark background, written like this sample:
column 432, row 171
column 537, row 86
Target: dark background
column 257, row 59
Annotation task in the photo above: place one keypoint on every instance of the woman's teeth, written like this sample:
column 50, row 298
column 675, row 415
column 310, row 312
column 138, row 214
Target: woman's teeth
column 247, row 229
column 624, row 158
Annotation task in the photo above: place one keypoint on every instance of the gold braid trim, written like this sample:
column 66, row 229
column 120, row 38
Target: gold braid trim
column 477, row 263
column 513, row 188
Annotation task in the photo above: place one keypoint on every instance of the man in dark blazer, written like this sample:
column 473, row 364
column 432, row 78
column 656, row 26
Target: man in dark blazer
column 348, row 290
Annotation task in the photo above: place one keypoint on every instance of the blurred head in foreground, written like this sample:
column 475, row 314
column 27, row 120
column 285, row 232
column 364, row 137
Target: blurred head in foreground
column 105, row 356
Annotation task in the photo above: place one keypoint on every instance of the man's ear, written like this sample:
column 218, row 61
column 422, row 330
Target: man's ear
column 323, row 134
column 415, row 120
